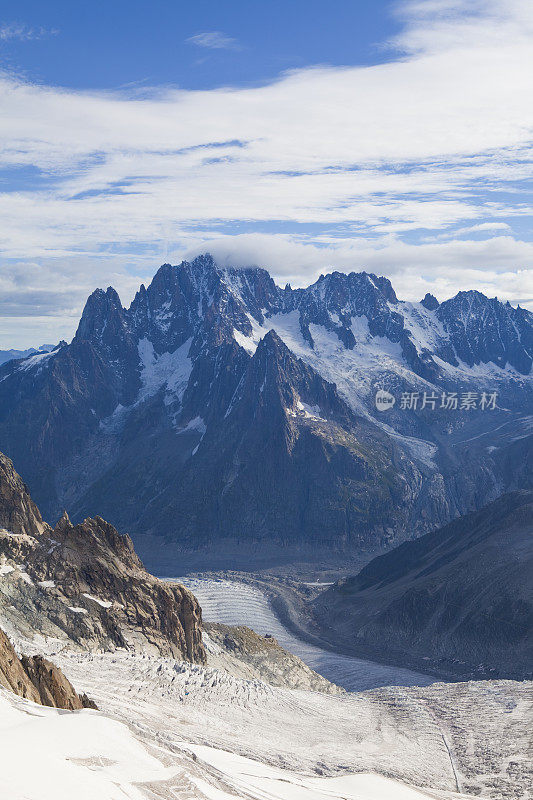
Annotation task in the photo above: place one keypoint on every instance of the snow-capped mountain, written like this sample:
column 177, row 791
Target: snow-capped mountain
column 220, row 407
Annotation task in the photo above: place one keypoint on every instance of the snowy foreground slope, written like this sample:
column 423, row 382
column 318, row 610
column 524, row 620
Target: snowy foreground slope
column 84, row 755
column 88, row 755
column 221, row 737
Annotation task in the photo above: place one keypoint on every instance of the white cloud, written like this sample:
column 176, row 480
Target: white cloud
column 439, row 25
column 214, row 40
column 22, row 32
column 400, row 167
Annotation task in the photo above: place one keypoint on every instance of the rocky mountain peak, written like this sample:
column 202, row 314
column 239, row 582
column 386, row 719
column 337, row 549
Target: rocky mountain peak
column 203, row 264
column 100, row 309
column 383, row 285
column 280, row 377
column 270, row 377
column 273, row 361
column 64, row 523
column 337, row 298
column 483, row 329
column 104, row 325
column 272, row 345
column 430, row 302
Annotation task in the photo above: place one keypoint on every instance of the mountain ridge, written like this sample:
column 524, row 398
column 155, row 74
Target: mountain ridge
column 13, row 354
column 161, row 381
column 458, row 598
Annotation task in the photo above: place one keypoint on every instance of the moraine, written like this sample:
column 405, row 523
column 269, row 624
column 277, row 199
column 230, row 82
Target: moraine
column 234, row 603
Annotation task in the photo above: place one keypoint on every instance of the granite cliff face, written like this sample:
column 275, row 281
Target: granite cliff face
column 86, row 584
column 224, row 410
column 458, row 599
column 18, row 512
column 37, row 679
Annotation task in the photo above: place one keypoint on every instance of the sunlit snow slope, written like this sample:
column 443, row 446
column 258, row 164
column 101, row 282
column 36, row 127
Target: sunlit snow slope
column 88, row 755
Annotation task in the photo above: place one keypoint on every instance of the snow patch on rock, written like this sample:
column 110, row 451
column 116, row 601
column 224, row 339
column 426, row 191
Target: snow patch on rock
column 427, row 330
column 103, row 603
column 170, row 370
column 37, row 360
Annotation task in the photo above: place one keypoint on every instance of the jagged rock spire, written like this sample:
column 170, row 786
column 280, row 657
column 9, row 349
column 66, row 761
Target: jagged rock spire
column 64, row 523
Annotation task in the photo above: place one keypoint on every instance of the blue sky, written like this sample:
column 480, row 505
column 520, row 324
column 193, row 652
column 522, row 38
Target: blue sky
column 109, row 44
column 302, row 136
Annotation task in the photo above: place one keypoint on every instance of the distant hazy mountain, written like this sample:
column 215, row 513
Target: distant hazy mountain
column 9, row 355
column 220, row 409
column 459, row 598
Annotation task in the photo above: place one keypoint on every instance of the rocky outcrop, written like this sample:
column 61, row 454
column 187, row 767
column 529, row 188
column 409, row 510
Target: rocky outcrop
column 18, row 512
column 86, row 583
column 96, row 569
column 13, row 676
column 244, row 653
column 458, row 600
column 36, row 679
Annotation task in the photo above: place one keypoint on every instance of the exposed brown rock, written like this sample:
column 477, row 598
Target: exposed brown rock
column 13, row 676
column 92, row 558
column 36, row 679
column 87, row 581
column 53, row 688
column 18, row 512
column 243, row 652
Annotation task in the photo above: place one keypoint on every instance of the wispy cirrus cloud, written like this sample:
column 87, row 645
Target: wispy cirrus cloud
column 23, row 33
column 214, row 40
